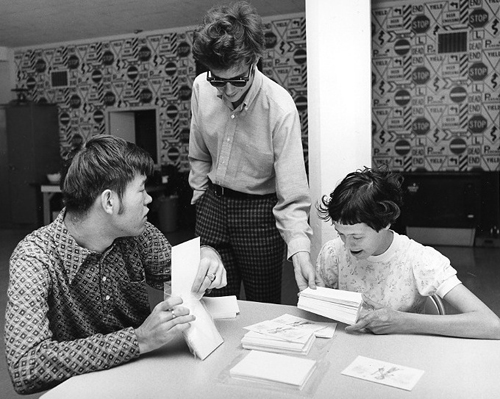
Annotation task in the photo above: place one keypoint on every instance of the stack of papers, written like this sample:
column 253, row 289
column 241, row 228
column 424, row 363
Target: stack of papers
column 222, row 307
column 285, row 334
column 271, row 367
column 340, row 305
column 301, row 345
column 320, row 329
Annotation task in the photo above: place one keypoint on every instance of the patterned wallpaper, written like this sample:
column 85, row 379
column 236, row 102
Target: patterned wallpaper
column 146, row 70
column 435, row 85
column 435, row 74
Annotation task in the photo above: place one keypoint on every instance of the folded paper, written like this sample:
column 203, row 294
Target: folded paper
column 202, row 337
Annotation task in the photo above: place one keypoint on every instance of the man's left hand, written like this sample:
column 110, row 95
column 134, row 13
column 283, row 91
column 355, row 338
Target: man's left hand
column 305, row 275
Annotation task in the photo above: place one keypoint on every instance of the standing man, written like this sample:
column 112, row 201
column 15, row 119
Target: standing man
column 77, row 299
column 247, row 162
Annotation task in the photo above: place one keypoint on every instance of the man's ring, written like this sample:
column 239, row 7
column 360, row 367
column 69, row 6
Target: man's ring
column 211, row 277
column 173, row 314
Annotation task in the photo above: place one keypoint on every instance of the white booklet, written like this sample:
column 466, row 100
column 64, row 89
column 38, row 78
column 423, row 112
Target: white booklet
column 202, row 337
column 340, row 305
column 272, row 367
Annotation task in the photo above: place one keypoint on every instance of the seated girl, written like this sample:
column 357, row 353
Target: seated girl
column 395, row 273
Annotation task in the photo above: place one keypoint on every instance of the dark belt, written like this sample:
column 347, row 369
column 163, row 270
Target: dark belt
column 228, row 193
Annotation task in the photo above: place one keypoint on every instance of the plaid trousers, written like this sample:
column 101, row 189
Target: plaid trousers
column 244, row 233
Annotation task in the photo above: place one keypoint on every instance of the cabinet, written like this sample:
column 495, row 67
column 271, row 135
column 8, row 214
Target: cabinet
column 31, row 137
column 451, row 208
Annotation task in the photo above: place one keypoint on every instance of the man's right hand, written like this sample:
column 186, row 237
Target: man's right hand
column 166, row 320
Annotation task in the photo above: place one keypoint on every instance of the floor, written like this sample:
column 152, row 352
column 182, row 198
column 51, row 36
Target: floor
column 478, row 268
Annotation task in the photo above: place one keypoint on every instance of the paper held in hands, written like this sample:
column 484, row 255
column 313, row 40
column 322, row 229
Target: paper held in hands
column 202, row 337
column 340, row 305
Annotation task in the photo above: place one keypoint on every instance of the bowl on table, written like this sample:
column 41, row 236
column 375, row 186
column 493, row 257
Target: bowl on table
column 54, row 178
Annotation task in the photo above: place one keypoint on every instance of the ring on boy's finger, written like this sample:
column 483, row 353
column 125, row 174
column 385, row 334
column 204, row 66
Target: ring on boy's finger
column 211, row 277
column 173, row 314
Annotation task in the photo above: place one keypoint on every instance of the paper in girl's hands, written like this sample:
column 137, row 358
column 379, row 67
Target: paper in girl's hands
column 384, row 373
column 202, row 337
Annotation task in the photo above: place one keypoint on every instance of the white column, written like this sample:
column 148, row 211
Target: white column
column 339, row 98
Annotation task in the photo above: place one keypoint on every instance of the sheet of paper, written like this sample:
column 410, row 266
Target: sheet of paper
column 280, row 331
column 222, row 307
column 321, row 330
column 202, row 337
column 265, row 366
column 384, row 373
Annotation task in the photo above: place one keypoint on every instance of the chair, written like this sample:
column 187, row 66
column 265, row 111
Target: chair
column 434, row 305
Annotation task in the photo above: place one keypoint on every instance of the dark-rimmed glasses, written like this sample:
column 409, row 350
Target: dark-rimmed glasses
column 236, row 82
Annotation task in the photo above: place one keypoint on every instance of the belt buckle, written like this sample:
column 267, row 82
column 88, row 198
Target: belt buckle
column 219, row 190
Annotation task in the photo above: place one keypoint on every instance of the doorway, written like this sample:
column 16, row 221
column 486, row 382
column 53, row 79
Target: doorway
column 138, row 126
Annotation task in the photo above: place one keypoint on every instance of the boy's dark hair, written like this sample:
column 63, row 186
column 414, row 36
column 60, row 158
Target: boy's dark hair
column 104, row 162
column 230, row 35
column 369, row 196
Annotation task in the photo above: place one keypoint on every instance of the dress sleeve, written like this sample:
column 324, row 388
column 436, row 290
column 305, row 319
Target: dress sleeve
column 433, row 272
column 327, row 265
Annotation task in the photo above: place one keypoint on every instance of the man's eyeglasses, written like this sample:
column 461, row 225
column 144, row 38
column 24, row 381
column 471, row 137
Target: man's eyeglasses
column 236, row 82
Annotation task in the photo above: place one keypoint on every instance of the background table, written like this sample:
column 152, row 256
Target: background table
column 48, row 191
column 454, row 368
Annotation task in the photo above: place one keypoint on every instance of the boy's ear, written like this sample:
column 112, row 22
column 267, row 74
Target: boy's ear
column 108, row 201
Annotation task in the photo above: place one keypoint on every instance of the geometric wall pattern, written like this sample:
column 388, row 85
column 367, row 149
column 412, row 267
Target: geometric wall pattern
column 436, row 85
column 86, row 78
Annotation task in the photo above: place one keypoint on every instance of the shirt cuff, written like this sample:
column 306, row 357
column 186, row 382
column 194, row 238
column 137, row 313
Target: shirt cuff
column 213, row 249
column 301, row 244
column 447, row 285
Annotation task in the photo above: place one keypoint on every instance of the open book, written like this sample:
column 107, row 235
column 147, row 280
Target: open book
column 202, row 337
column 340, row 305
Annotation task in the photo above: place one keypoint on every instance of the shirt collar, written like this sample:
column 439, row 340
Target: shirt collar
column 72, row 255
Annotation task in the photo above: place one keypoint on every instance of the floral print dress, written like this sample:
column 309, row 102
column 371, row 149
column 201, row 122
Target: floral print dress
column 401, row 278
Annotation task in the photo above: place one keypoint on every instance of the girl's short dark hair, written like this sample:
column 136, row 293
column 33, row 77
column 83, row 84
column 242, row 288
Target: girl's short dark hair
column 369, row 196
column 104, row 162
column 230, row 35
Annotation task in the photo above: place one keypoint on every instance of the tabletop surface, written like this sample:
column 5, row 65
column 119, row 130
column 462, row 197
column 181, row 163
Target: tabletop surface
column 453, row 367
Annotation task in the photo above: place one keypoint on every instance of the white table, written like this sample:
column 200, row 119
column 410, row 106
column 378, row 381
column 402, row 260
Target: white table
column 454, row 368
